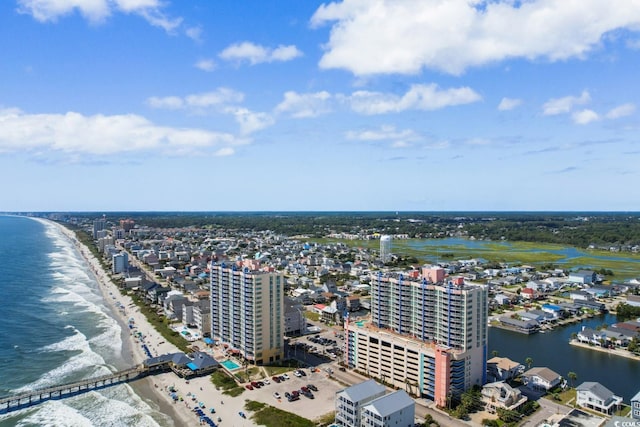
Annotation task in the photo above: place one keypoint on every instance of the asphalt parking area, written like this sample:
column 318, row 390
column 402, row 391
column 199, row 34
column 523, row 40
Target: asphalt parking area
column 322, row 403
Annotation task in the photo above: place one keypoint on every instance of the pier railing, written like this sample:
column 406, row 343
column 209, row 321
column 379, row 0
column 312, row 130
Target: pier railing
column 34, row 397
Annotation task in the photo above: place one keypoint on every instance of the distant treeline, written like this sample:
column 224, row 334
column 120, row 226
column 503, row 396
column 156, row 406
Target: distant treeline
column 567, row 228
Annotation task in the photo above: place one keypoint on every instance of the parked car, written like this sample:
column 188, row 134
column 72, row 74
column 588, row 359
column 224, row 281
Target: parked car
column 276, row 379
column 255, row 384
column 297, row 374
column 249, row 387
column 312, row 387
column 277, row 395
column 286, row 377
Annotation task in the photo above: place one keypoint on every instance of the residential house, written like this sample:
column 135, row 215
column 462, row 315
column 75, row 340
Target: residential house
column 503, row 369
column 351, row 400
column 633, row 300
column 396, row 409
column 595, row 396
column 529, row 294
column 542, row 379
column 524, row 326
column 502, row 299
column 591, row 336
column 501, row 395
column 635, row 407
column 583, row 277
column 580, row 296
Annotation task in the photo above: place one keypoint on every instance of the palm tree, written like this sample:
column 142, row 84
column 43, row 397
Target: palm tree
column 572, row 376
column 529, row 362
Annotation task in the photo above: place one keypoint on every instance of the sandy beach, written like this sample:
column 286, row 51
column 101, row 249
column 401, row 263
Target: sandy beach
column 155, row 389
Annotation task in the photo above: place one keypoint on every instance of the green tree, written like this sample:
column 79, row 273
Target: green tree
column 494, row 353
column 572, row 377
column 529, row 362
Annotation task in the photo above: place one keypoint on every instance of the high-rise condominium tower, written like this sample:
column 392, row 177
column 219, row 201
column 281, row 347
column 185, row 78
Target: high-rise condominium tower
column 247, row 312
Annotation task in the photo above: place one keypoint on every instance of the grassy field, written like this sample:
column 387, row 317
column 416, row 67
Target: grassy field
column 269, row 416
column 514, row 253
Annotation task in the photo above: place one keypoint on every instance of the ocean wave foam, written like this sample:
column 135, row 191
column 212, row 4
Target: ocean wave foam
column 55, row 413
column 86, row 360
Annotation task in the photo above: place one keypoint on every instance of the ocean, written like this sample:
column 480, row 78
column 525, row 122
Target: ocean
column 57, row 328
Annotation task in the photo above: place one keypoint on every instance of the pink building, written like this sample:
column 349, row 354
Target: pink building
column 433, row 274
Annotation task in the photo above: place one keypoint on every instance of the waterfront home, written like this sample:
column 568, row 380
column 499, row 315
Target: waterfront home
column 501, row 395
column 541, row 379
column 595, row 396
column 591, row 336
column 555, row 310
column 524, row 326
column 635, row 407
column 591, row 305
column 535, row 315
column 503, row 369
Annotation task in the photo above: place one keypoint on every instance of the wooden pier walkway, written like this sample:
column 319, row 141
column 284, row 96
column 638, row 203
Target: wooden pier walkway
column 34, row 397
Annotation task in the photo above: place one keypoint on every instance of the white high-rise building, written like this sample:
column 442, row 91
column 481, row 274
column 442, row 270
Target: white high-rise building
column 385, row 248
column 432, row 337
column 247, row 312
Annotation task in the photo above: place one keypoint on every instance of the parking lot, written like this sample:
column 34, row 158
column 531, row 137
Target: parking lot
column 321, row 404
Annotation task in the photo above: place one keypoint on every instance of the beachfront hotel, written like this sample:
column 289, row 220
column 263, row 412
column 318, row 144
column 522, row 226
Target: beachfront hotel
column 430, row 339
column 247, row 312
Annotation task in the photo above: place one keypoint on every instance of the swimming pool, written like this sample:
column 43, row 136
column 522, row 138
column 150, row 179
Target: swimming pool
column 230, row 364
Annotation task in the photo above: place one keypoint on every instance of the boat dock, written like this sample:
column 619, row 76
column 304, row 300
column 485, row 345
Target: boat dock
column 34, row 397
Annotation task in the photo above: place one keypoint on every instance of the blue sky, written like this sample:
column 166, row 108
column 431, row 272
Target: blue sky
column 190, row 105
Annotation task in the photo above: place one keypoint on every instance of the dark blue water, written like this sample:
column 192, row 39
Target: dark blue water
column 552, row 349
column 56, row 328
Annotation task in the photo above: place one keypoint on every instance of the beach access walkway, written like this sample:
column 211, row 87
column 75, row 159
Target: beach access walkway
column 35, row 397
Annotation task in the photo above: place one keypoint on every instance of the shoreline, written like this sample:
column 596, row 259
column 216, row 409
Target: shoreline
column 154, row 390
column 614, row 352
column 132, row 353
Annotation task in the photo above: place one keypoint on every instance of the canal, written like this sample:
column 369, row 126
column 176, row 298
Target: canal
column 552, row 350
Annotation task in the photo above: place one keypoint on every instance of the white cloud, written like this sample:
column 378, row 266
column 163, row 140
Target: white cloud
column 194, row 33
column 406, row 36
column 564, row 105
column 255, row 54
column 76, row 134
column 398, row 138
column 621, row 111
column 251, row 121
column 301, row 105
column 507, row 104
column 219, row 97
column 584, row 117
column 50, row 10
column 206, row 65
column 97, row 11
column 418, row 97
column 168, row 102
